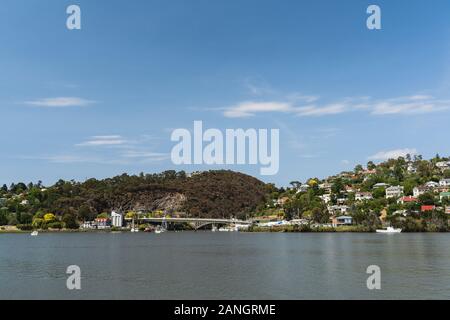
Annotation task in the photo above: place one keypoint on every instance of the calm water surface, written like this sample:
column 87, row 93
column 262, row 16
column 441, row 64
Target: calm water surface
column 207, row 265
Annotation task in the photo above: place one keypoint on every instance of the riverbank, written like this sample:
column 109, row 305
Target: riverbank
column 254, row 229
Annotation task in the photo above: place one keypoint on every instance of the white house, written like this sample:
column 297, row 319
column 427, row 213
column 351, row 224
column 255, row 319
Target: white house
column 394, row 192
column 380, row 185
column 326, row 186
column 443, row 165
column 116, row 219
column 444, row 182
column 303, row 188
column 411, row 168
column 360, row 196
column 337, row 209
column 432, row 184
column 325, row 198
column 417, row 191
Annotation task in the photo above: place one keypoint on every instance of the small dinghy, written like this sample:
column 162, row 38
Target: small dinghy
column 34, row 233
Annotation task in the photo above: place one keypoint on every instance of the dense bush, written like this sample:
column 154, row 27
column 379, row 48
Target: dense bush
column 25, row 227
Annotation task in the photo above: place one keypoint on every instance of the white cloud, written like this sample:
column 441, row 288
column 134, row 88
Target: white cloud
column 95, row 141
column 308, row 106
column 392, row 154
column 136, row 154
column 250, row 108
column 417, row 104
column 60, row 102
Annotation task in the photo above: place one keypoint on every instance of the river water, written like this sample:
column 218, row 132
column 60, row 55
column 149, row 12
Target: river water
column 221, row 265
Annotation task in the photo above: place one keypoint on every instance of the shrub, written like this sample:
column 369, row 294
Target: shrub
column 55, row 225
column 25, row 227
column 49, row 217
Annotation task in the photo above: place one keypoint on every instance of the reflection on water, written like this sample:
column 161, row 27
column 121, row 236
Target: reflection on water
column 206, row 265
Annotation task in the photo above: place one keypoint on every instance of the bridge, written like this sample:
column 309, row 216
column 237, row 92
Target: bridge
column 197, row 223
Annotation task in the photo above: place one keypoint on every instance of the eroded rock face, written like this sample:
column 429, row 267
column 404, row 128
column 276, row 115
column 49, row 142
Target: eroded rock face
column 169, row 203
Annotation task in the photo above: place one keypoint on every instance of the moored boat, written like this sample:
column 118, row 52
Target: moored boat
column 389, row 230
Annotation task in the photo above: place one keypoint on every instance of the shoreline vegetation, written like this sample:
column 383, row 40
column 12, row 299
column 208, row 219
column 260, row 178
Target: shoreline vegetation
column 252, row 229
column 409, row 193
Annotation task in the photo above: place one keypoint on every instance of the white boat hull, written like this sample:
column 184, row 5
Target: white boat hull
column 389, row 231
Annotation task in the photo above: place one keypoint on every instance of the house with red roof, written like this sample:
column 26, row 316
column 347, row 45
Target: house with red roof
column 426, row 208
column 407, row 199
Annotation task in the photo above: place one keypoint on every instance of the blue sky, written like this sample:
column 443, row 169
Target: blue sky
column 103, row 100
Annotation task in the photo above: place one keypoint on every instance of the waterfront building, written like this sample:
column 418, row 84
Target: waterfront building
column 87, row 225
column 116, row 219
column 342, row 221
column 103, row 223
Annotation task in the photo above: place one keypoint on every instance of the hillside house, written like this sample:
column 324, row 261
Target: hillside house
column 361, row 196
column 432, row 184
column 418, row 191
column 407, row 199
column 394, row 192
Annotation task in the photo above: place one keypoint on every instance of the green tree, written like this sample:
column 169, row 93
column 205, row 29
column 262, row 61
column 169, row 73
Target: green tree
column 379, row 193
column 70, row 221
column 371, row 165
column 427, row 199
column 3, row 218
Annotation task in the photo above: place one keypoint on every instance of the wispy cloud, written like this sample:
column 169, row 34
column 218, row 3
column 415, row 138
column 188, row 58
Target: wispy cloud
column 110, row 140
column 309, row 106
column 60, row 102
column 142, row 154
column 251, row 108
column 418, row 104
column 111, row 149
column 392, row 154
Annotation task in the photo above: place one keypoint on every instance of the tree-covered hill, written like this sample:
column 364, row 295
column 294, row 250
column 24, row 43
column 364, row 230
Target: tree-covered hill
column 207, row 194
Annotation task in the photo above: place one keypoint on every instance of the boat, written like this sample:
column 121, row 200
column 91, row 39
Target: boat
column 134, row 228
column 34, row 233
column 228, row 229
column 389, row 230
column 160, row 230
